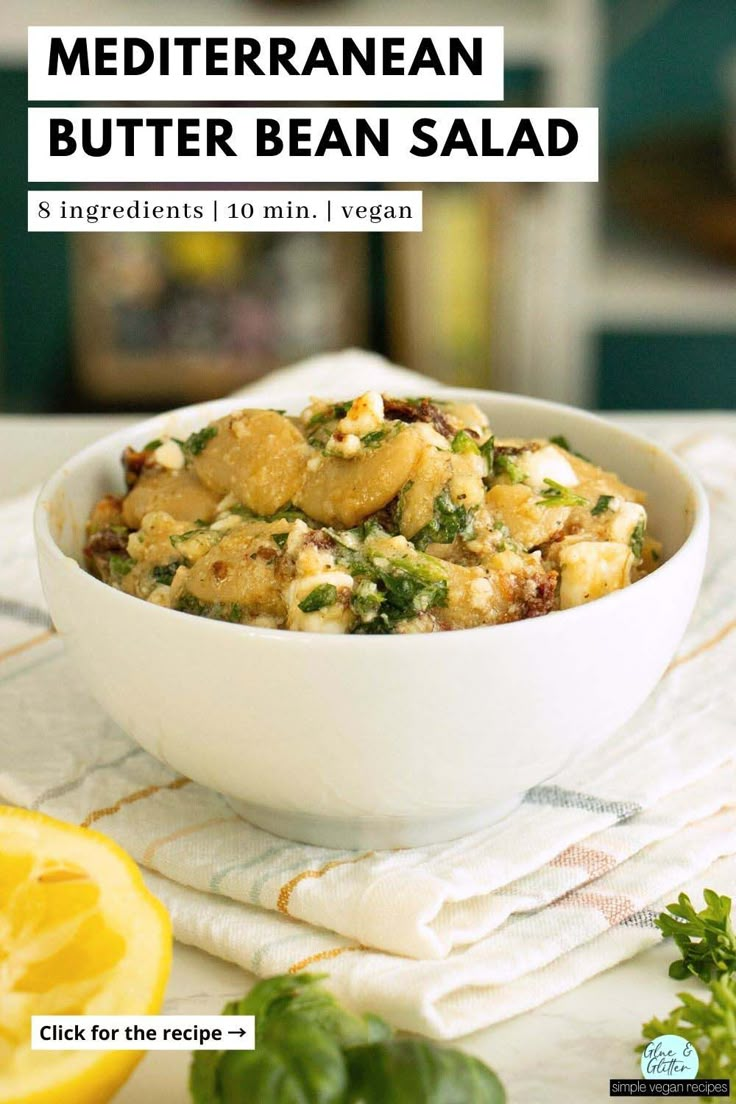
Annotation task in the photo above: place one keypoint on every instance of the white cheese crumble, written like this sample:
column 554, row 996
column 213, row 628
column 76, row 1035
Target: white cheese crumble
column 590, row 569
column 345, row 445
column 481, row 593
column 160, row 595
column 364, row 416
column 547, row 462
column 431, row 435
column 466, row 485
column 228, row 521
column 625, row 520
column 296, row 537
column 227, row 503
column 169, row 455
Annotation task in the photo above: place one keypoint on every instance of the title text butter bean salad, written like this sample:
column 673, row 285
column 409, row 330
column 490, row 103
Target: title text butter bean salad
column 376, row 515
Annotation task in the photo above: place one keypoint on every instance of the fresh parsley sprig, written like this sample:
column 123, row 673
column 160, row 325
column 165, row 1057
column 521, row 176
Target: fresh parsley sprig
column 705, row 939
column 707, row 943
column 556, row 494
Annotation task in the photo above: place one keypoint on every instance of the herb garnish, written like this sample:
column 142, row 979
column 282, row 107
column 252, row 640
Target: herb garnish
column 317, row 599
column 280, row 539
column 556, row 494
column 210, row 537
column 404, row 587
column 373, row 440
column 705, row 939
column 602, row 505
column 164, row 573
column 196, row 441
column 449, row 520
column 333, row 413
column 463, row 442
column 310, row 1048
column 707, row 943
column 216, row 611
column 636, row 542
column 119, row 565
column 153, row 445
column 504, row 465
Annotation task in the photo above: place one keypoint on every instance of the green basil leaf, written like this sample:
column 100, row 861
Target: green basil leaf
column 410, row 1071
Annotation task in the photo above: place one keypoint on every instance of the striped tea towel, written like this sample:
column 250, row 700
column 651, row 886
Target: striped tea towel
column 441, row 939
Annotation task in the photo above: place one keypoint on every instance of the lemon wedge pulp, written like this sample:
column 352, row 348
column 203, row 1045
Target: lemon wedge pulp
column 80, row 934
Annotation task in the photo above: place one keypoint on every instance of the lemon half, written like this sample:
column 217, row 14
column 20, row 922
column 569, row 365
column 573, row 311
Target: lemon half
column 79, row 934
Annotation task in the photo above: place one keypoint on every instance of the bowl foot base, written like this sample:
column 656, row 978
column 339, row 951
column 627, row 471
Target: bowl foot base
column 375, row 833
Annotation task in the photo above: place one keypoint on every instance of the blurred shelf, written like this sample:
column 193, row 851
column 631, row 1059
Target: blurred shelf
column 644, row 286
column 533, row 34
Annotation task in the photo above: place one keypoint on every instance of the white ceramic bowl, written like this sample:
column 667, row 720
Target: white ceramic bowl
column 376, row 741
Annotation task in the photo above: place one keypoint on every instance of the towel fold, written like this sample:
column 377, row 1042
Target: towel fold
column 441, row 939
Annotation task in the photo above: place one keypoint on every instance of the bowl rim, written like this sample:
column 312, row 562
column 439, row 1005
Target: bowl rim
column 215, row 407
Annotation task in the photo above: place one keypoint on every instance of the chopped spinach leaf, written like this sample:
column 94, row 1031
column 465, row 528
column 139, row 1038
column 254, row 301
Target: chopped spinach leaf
column 504, row 465
column 216, row 611
column 187, row 603
column 280, row 539
column 196, row 442
column 636, row 543
column 317, row 599
column 555, row 494
column 448, row 522
column 331, row 413
column 373, row 440
column 178, row 538
column 404, row 587
column 602, row 505
column 153, row 445
column 164, row 573
column 119, row 565
column 463, row 442
column 366, row 600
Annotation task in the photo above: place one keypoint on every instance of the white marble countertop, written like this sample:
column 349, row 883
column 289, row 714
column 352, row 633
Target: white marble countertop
column 566, row 1050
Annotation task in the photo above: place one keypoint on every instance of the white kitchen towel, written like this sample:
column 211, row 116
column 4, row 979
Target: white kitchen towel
column 441, row 939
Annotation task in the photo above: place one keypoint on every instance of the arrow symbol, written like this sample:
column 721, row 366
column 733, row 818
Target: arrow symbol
column 240, row 1031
